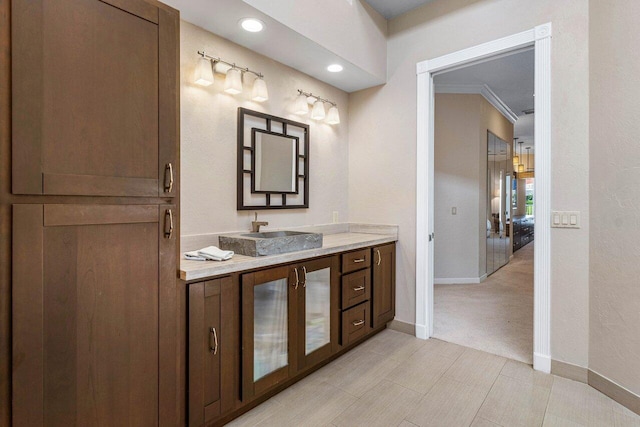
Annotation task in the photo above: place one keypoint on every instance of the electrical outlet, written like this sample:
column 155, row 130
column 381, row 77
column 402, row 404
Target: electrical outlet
column 335, row 217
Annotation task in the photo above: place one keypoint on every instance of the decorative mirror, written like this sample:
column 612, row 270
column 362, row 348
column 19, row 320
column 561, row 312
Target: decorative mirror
column 273, row 162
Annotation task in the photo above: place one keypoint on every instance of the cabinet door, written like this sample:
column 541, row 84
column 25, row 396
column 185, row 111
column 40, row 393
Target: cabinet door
column 384, row 284
column 268, row 337
column 94, row 98
column 205, row 350
column 317, row 310
column 90, row 285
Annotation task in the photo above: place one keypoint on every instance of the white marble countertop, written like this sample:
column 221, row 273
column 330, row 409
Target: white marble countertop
column 332, row 243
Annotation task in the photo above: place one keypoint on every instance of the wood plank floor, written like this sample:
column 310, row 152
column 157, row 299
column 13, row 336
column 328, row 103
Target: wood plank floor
column 394, row 379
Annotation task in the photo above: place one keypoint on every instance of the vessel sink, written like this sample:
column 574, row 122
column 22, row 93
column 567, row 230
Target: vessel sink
column 270, row 242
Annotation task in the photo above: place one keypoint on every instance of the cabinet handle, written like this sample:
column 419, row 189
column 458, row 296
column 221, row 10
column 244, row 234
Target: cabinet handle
column 359, row 288
column 359, row 260
column 379, row 257
column 358, row 322
column 168, row 233
column 297, row 278
column 213, row 336
column 304, row 270
column 168, row 187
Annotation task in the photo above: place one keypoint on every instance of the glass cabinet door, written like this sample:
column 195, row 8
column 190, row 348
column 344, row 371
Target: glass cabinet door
column 317, row 321
column 267, row 298
column 317, row 309
column 270, row 328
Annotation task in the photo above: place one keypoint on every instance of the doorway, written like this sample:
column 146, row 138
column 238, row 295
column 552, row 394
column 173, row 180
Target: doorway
column 540, row 38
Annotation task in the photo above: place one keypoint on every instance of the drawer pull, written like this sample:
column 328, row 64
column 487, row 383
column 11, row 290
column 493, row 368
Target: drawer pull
column 359, row 260
column 213, row 346
column 358, row 323
column 379, row 257
column 297, row 279
column 359, row 288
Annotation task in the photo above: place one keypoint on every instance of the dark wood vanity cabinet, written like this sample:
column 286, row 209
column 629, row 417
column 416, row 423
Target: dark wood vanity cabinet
column 253, row 333
column 523, row 232
column 384, row 284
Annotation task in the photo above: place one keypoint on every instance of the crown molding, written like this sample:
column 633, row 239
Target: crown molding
column 486, row 92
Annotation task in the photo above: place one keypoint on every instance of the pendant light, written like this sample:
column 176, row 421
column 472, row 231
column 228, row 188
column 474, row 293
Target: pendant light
column 520, row 165
column 528, row 148
column 318, row 110
column 260, row 92
column 233, row 82
column 204, row 72
column 516, row 158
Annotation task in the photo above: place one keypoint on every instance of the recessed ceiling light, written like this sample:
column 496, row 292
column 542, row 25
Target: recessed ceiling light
column 252, row 25
column 335, row 68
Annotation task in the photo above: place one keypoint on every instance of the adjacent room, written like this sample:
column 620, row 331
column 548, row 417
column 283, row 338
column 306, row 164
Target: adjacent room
column 484, row 216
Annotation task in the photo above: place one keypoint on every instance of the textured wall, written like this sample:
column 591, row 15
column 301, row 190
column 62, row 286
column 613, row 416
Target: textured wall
column 208, row 146
column 614, row 347
column 382, row 146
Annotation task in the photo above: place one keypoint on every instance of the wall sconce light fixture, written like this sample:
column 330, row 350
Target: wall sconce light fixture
column 233, row 82
column 303, row 100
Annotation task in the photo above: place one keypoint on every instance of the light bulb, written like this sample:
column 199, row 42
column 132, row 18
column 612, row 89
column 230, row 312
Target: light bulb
column 233, row 82
column 318, row 111
column 301, row 107
column 333, row 116
column 204, row 72
column 520, row 168
column 260, row 92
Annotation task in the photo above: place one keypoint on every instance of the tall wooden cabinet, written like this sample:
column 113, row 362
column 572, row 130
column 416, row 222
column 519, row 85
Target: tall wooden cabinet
column 92, row 196
column 384, row 284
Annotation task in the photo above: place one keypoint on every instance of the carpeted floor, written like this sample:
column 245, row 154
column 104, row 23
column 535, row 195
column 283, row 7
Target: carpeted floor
column 495, row 316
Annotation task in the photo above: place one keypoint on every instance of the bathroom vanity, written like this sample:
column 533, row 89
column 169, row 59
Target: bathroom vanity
column 255, row 325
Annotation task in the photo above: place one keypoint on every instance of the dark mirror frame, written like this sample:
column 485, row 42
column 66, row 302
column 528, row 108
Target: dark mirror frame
column 303, row 172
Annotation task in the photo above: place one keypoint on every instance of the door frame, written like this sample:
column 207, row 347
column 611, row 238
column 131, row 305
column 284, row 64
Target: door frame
column 540, row 38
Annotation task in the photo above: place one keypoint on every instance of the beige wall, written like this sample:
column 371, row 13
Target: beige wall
column 614, row 348
column 460, row 159
column 382, row 146
column 208, row 146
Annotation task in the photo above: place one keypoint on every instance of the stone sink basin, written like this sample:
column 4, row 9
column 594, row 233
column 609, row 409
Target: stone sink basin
column 270, row 242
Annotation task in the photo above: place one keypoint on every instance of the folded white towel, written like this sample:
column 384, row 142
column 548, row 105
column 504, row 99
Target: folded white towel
column 210, row 253
column 193, row 255
column 215, row 253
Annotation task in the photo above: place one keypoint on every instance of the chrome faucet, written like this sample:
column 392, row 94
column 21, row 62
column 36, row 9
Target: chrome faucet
column 255, row 225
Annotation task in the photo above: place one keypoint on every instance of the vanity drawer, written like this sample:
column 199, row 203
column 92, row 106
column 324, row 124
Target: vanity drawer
column 356, row 288
column 356, row 260
column 355, row 323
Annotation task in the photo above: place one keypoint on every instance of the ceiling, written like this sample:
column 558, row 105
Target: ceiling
column 509, row 77
column 277, row 41
column 392, row 8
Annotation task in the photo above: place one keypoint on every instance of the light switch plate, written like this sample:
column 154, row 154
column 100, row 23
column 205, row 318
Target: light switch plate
column 565, row 219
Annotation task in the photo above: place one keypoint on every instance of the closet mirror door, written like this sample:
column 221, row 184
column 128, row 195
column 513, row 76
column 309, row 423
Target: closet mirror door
column 498, row 158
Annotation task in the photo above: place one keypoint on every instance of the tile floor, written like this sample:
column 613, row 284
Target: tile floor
column 495, row 315
column 394, row 379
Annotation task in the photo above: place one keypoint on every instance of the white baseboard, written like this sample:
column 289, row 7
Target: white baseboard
column 459, row 280
column 542, row 362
